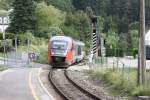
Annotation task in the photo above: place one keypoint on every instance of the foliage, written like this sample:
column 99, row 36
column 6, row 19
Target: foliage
column 23, row 17
column 2, row 68
column 43, row 54
column 54, row 31
column 7, row 35
column 112, row 39
column 124, row 81
column 142, row 91
column 71, row 17
column 39, row 47
column 65, row 5
column 77, row 25
column 5, row 4
column 47, row 16
column 133, row 38
column 51, row 31
column 8, row 46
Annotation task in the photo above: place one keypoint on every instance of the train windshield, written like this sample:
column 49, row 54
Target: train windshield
column 59, row 45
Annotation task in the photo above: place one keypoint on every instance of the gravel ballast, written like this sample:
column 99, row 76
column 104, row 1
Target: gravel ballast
column 96, row 87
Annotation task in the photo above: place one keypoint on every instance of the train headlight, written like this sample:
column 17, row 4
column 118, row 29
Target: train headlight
column 64, row 53
column 53, row 53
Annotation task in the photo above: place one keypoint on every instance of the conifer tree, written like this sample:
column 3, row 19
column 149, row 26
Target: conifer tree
column 22, row 18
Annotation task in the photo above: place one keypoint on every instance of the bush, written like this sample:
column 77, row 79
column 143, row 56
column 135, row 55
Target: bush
column 7, row 35
column 142, row 91
column 42, row 51
column 2, row 67
column 120, row 81
column 51, row 31
column 135, row 52
column 8, row 45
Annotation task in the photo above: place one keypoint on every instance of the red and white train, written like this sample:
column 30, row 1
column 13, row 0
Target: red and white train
column 64, row 51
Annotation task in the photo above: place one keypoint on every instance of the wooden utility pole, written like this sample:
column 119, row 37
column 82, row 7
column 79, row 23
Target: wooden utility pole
column 142, row 62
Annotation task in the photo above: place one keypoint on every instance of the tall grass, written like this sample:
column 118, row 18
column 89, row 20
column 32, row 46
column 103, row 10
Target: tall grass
column 120, row 81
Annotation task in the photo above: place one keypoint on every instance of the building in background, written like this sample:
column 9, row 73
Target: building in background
column 4, row 20
column 147, row 43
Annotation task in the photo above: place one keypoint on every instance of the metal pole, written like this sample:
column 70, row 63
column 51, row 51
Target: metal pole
column 142, row 41
column 4, row 41
column 28, row 43
column 16, row 49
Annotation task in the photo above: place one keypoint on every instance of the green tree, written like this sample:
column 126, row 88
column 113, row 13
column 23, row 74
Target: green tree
column 133, row 36
column 47, row 16
column 78, row 25
column 5, row 4
column 123, row 44
column 110, row 24
column 65, row 5
column 22, row 17
column 112, row 43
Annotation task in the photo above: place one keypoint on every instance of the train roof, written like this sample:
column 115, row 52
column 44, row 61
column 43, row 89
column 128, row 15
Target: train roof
column 61, row 38
column 66, row 38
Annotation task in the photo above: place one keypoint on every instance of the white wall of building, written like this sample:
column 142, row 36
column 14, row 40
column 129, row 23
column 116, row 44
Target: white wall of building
column 147, row 38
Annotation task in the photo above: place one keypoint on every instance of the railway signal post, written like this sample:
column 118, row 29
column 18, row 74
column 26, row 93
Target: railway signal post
column 94, row 36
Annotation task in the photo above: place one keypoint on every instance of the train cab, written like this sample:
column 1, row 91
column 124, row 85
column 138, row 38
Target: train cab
column 63, row 50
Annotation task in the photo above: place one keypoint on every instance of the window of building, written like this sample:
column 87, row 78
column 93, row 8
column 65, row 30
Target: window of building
column 1, row 20
column 5, row 20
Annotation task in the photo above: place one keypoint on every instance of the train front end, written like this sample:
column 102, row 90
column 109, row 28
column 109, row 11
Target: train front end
column 59, row 53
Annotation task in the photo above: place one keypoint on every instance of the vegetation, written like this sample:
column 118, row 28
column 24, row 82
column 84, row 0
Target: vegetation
column 22, row 18
column 120, row 81
column 8, row 46
column 5, row 4
column 40, row 50
column 48, row 17
column 2, row 68
column 117, row 21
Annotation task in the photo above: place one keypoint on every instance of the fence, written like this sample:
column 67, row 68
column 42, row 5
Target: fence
column 126, row 67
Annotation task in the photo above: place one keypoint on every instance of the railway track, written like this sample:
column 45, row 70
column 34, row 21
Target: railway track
column 67, row 88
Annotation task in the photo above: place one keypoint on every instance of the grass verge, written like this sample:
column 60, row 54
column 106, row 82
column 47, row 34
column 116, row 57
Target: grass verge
column 1, row 54
column 2, row 67
column 121, row 81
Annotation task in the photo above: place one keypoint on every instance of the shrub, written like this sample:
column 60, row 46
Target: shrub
column 7, row 36
column 8, row 45
column 42, row 51
column 142, row 91
column 2, row 67
column 120, row 81
column 135, row 52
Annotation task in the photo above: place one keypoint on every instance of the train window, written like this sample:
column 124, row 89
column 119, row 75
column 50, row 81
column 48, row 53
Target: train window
column 59, row 45
column 79, row 50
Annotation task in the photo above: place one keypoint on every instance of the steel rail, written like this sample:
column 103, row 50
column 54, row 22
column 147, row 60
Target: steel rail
column 57, row 89
column 88, row 93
